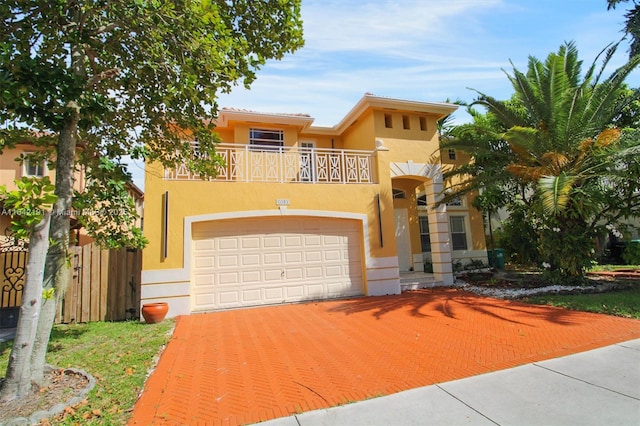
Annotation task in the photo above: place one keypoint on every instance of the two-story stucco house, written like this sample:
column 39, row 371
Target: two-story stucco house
column 301, row 212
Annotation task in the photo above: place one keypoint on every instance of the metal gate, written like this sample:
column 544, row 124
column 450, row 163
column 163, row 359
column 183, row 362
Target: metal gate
column 13, row 261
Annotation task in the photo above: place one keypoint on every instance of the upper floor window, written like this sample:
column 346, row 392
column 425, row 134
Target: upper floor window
column 399, row 193
column 452, row 154
column 406, row 123
column 33, row 167
column 423, row 123
column 388, row 121
column 421, row 201
column 270, row 139
column 456, row 202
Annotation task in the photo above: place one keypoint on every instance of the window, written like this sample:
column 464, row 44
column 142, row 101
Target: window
column 423, row 123
column 33, row 167
column 421, row 201
column 399, row 193
column 456, row 202
column 452, row 154
column 458, row 234
column 388, row 122
column 406, row 124
column 425, row 238
column 267, row 140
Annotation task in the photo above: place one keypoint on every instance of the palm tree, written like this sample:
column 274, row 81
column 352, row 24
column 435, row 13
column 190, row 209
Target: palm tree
column 562, row 146
column 632, row 25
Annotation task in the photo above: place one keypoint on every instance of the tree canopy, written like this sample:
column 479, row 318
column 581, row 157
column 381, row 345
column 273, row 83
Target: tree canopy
column 556, row 139
column 91, row 82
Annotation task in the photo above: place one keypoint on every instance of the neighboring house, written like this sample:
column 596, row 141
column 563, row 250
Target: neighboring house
column 301, row 212
column 11, row 170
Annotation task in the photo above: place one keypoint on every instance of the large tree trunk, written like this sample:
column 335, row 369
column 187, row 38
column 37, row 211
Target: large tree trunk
column 17, row 382
column 56, row 275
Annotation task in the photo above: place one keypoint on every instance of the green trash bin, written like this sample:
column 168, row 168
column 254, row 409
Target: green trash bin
column 496, row 261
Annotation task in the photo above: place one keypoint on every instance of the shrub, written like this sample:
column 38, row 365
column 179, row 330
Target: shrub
column 631, row 253
column 518, row 237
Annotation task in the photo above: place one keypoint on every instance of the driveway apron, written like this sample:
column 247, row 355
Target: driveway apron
column 250, row 365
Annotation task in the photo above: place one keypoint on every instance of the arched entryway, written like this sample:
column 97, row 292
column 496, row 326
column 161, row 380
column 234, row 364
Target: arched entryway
column 407, row 178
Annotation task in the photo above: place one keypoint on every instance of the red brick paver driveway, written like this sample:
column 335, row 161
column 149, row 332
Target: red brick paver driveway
column 251, row 365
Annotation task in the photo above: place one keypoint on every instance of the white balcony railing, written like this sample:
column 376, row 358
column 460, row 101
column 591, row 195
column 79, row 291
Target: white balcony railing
column 255, row 163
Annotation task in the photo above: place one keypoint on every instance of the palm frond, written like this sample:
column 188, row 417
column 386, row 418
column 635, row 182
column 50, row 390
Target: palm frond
column 503, row 112
column 603, row 105
column 526, row 173
column 555, row 162
column 555, row 192
column 608, row 137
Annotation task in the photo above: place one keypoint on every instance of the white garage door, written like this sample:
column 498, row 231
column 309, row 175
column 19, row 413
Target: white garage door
column 259, row 261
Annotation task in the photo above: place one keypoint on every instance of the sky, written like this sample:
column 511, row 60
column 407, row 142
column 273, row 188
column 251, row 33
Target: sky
column 421, row 50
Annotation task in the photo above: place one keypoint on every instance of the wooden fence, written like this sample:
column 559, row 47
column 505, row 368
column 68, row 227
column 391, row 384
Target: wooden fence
column 104, row 285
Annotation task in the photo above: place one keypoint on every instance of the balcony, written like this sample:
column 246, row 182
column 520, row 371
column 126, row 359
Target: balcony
column 262, row 163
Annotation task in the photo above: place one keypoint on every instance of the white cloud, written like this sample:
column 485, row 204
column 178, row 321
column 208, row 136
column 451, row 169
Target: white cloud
column 385, row 27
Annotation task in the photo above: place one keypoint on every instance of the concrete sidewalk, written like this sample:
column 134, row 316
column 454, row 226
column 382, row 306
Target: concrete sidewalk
column 597, row 387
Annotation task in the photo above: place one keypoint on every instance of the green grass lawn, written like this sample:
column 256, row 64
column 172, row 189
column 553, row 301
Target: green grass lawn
column 609, row 267
column 119, row 356
column 625, row 303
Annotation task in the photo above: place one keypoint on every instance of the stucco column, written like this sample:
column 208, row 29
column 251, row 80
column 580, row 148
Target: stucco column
column 439, row 230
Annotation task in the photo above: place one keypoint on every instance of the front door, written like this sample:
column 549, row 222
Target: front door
column 403, row 240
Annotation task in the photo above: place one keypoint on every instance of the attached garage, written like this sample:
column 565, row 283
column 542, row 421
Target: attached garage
column 259, row 261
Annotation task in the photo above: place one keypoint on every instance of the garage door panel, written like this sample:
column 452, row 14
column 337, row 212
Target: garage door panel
column 203, row 280
column 335, row 288
column 274, row 294
column 273, row 275
column 251, row 295
column 202, row 262
column 202, row 245
column 316, row 290
column 226, row 261
column 227, row 298
column 272, row 258
column 271, row 242
column 251, row 276
column 332, row 255
column 312, row 240
column 313, row 272
column 205, row 299
column 294, row 292
column 248, row 243
column 228, row 278
column 294, row 273
column 292, row 258
column 258, row 261
column 226, row 244
column 293, row 241
column 250, row 259
column 313, row 256
column 333, row 271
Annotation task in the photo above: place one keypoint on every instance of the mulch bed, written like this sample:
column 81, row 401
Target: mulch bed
column 60, row 385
